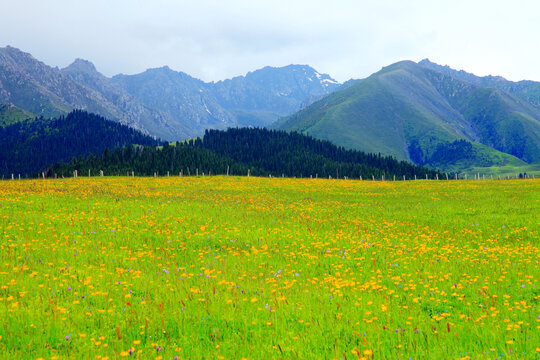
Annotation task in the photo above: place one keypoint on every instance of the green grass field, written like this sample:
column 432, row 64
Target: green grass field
column 228, row 267
column 503, row 171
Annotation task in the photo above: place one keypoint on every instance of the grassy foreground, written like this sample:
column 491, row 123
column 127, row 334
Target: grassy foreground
column 227, row 267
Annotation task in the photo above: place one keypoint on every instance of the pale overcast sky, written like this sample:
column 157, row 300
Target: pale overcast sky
column 217, row 39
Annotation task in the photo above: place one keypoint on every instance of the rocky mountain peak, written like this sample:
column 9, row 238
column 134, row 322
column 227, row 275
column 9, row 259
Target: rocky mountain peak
column 81, row 65
column 16, row 59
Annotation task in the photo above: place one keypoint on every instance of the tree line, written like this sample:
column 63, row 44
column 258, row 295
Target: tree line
column 236, row 151
column 29, row 146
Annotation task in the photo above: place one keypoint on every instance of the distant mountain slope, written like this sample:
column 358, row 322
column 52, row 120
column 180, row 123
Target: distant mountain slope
column 525, row 89
column 28, row 146
column 256, row 99
column 407, row 110
column 10, row 114
column 131, row 111
column 262, row 152
column 45, row 91
column 499, row 119
column 185, row 99
column 264, row 95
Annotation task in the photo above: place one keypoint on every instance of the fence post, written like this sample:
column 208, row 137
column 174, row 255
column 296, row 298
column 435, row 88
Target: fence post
column 76, row 174
column 227, row 170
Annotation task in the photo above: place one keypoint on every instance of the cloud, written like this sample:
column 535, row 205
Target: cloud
column 213, row 40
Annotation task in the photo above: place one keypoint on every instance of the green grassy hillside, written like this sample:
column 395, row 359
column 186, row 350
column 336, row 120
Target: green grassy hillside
column 407, row 111
column 459, row 156
column 10, row 114
column 502, row 121
column 382, row 113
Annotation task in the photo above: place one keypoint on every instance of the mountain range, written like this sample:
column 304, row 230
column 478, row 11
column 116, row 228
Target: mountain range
column 430, row 115
column 161, row 102
column 421, row 112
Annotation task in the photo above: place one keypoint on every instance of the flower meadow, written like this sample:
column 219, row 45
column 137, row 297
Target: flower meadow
column 257, row 268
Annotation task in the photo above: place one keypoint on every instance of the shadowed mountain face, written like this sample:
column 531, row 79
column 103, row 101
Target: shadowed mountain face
column 161, row 102
column 408, row 110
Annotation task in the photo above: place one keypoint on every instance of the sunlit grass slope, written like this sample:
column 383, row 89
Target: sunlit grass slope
column 10, row 114
column 227, row 267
